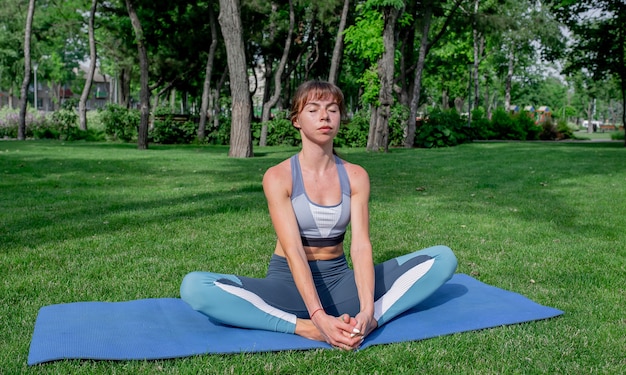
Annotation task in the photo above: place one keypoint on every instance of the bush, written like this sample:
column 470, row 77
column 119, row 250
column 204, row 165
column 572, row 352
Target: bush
column 527, row 126
column 480, row 127
column 169, row 130
column 38, row 124
column 564, row 131
column 280, row 131
column 65, row 120
column 443, row 128
column 119, row 122
column 504, row 126
column 397, row 124
column 617, row 135
column 353, row 133
column 220, row 135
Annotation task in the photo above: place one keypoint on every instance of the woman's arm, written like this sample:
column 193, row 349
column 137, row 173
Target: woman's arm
column 361, row 247
column 276, row 185
column 286, row 227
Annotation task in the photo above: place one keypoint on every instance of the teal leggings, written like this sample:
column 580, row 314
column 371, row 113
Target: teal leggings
column 273, row 303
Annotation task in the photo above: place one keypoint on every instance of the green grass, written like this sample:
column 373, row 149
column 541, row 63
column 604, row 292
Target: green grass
column 597, row 136
column 106, row 222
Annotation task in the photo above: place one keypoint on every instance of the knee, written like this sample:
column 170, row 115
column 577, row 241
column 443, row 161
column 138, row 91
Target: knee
column 191, row 288
column 445, row 257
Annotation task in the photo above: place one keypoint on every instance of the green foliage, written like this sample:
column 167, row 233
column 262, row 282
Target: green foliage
column 119, row 122
column 168, row 129
column 443, row 128
column 364, row 38
column 505, row 126
column 386, row 3
column 220, row 135
column 527, row 124
column 480, row 125
column 397, row 124
column 617, row 135
column 280, row 131
column 66, row 120
column 38, row 124
column 371, row 86
column 354, row 132
column 555, row 131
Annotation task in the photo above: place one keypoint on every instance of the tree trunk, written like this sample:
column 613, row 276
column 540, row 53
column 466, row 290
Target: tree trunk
column 372, row 129
column 509, row 79
column 144, row 90
column 623, row 89
column 417, row 84
column 338, row 50
column 124, row 89
column 216, row 99
column 206, row 88
column 82, row 103
column 267, row 107
column 590, row 116
column 240, row 136
column 21, row 130
column 478, row 51
column 385, row 74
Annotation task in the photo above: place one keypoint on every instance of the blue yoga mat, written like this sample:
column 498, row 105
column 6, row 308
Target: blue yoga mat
column 163, row 328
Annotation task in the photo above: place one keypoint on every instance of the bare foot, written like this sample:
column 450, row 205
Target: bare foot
column 306, row 328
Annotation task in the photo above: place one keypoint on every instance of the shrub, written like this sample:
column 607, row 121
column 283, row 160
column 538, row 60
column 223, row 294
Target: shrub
column 220, row 135
column 38, row 124
column 280, row 131
column 504, row 125
column 527, row 126
column 353, row 133
column 119, row 122
column 65, row 120
column 169, row 130
column 617, row 135
column 443, row 128
column 564, row 130
column 480, row 127
column 397, row 124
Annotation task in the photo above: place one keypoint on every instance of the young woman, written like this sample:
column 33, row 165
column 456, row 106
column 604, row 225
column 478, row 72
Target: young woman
column 309, row 289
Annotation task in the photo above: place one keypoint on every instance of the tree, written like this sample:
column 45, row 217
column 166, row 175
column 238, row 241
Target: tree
column 206, row 88
column 428, row 8
column 599, row 39
column 21, row 132
column 379, row 131
column 338, row 50
column 144, row 93
column 267, row 106
column 82, row 108
column 230, row 23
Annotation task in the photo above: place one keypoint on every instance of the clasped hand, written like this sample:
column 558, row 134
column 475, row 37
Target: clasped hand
column 345, row 332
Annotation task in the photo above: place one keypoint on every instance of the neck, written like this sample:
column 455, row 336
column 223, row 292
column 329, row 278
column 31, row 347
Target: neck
column 317, row 159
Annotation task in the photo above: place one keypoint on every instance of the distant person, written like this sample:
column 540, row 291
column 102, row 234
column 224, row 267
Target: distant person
column 309, row 289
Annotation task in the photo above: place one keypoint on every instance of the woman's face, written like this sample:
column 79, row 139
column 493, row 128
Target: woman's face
column 319, row 118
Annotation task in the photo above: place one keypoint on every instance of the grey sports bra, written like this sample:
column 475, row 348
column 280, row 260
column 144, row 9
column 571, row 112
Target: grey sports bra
column 320, row 225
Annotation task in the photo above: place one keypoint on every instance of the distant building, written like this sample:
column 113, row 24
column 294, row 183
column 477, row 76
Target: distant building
column 50, row 98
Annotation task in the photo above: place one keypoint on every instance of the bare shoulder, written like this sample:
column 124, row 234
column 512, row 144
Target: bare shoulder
column 278, row 177
column 359, row 179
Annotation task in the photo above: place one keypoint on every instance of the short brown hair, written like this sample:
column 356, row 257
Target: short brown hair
column 315, row 90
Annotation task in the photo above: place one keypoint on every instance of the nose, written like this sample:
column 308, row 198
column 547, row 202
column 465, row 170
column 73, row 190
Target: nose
column 324, row 114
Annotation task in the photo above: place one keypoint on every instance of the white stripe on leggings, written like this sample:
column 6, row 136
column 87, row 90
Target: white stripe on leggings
column 257, row 302
column 400, row 287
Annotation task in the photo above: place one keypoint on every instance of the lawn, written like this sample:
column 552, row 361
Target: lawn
column 106, row 222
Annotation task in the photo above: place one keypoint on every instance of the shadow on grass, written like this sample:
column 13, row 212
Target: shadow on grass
column 81, row 186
